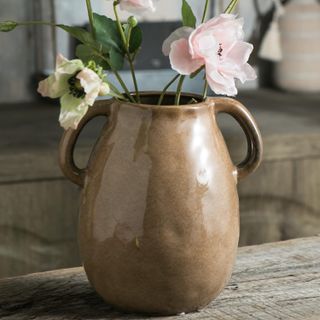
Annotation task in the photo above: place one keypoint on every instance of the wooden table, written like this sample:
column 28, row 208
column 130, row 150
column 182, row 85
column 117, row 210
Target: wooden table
column 272, row 281
column 38, row 233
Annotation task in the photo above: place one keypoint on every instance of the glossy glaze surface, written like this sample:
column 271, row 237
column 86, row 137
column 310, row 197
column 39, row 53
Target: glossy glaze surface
column 159, row 220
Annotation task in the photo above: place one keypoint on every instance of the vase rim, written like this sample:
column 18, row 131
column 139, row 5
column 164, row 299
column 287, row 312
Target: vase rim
column 156, row 94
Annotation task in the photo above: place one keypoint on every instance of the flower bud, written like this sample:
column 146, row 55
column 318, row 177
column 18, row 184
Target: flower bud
column 8, row 26
column 132, row 21
column 96, row 68
column 104, row 90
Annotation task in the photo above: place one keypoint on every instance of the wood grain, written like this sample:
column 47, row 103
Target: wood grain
column 280, row 201
column 38, row 231
column 272, row 281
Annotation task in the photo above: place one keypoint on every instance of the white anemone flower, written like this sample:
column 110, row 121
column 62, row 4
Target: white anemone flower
column 77, row 87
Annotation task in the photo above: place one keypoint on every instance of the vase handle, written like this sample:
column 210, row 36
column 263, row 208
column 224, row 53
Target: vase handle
column 255, row 145
column 69, row 140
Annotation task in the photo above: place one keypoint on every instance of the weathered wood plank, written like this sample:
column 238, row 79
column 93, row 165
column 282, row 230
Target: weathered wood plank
column 37, row 230
column 40, row 162
column 272, row 281
column 280, row 201
column 289, row 125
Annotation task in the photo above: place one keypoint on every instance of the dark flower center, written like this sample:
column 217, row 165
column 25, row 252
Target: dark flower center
column 220, row 50
column 75, row 88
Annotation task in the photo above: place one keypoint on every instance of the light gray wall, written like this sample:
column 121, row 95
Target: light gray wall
column 245, row 9
column 17, row 54
column 167, row 10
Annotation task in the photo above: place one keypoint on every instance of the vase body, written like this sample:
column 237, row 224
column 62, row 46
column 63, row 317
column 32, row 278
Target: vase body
column 159, row 217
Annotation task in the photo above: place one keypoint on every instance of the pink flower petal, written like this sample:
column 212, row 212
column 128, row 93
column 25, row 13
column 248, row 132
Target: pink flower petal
column 219, row 45
column 180, row 33
column 247, row 74
column 91, row 83
column 242, row 72
column 181, row 59
column 240, row 52
column 204, row 46
column 60, row 59
column 221, row 19
column 219, row 83
column 137, row 6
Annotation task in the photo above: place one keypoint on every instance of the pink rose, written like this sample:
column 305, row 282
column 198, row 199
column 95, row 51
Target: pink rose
column 218, row 45
column 137, row 6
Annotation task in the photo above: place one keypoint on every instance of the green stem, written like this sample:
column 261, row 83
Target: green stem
column 205, row 11
column 231, row 6
column 182, row 78
column 90, row 15
column 125, row 44
column 116, row 73
column 179, row 90
column 122, row 35
column 123, row 85
column 205, row 90
column 166, row 88
column 128, row 38
column 135, row 82
column 115, row 90
column 32, row 23
column 118, row 97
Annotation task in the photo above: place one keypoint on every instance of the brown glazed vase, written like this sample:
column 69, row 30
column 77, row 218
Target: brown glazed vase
column 159, row 217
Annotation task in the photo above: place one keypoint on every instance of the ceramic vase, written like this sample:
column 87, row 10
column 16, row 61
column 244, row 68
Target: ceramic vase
column 159, row 217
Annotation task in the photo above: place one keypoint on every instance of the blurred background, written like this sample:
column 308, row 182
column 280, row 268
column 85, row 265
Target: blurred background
column 39, row 207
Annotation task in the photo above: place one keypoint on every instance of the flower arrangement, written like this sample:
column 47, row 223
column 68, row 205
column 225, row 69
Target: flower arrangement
column 215, row 46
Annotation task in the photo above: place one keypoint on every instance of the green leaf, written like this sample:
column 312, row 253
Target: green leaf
column 107, row 43
column 135, row 39
column 116, row 59
column 107, row 33
column 79, row 33
column 86, row 54
column 188, row 17
column 7, row 26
